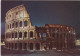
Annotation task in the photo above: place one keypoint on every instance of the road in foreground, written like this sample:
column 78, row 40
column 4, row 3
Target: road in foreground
column 6, row 52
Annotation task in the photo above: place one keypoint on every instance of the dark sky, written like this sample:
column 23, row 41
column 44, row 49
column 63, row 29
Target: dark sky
column 46, row 12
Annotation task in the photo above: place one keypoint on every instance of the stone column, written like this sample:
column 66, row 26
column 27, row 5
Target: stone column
column 22, row 45
column 22, row 40
column 28, row 34
column 66, row 41
column 34, row 46
column 40, row 46
column 36, row 35
column 33, row 34
column 23, row 23
column 18, row 40
column 28, row 46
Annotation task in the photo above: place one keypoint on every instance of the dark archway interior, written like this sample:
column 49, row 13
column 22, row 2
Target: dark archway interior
column 15, row 45
column 20, row 46
column 31, row 46
column 25, row 45
column 31, row 34
column 37, row 46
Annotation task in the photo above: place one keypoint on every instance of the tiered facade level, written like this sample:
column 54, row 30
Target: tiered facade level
column 21, row 35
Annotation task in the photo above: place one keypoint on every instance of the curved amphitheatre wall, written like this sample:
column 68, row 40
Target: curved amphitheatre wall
column 18, row 27
column 20, row 34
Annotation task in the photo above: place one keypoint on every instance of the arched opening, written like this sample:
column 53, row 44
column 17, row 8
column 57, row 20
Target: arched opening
column 9, row 35
column 12, row 35
column 16, row 35
column 25, row 45
column 20, row 23
column 10, row 25
column 20, row 34
column 20, row 46
column 25, row 23
column 37, row 46
column 31, row 46
column 25, row 34
column 15, row 45
column 13, row 25
column 16, row 24
column 44, row 35
column 31, row 34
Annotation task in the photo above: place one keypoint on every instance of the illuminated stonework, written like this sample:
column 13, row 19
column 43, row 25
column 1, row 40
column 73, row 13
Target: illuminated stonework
column 21, row 35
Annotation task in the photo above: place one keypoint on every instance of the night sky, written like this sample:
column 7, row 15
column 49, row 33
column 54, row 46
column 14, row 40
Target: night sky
column 46, row 12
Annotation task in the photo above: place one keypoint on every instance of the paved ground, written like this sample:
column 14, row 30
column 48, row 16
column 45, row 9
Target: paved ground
column 6, row 52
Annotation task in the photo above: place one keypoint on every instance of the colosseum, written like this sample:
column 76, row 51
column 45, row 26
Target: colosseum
column 20, row 34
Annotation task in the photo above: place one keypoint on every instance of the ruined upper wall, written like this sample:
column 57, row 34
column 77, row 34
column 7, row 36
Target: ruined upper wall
column 17, row 12
column 69, row 28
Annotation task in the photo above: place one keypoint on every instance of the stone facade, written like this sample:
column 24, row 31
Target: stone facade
column 21, row 35
column 57, row 36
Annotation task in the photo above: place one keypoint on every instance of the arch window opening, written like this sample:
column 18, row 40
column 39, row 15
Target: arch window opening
column 13, row 25
column 15, row 45
column 20, row 23
column 9, row 35
column 25, row 45
column 12, row 35
column 16, row 35
column 44, row 35
column 25, row 34
column 16, row 24
column 37, row 46
column 25, row 23
column 20, row 46
column 31, row 46
column 10, row 25
column 31, row 34
column 20, row 34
